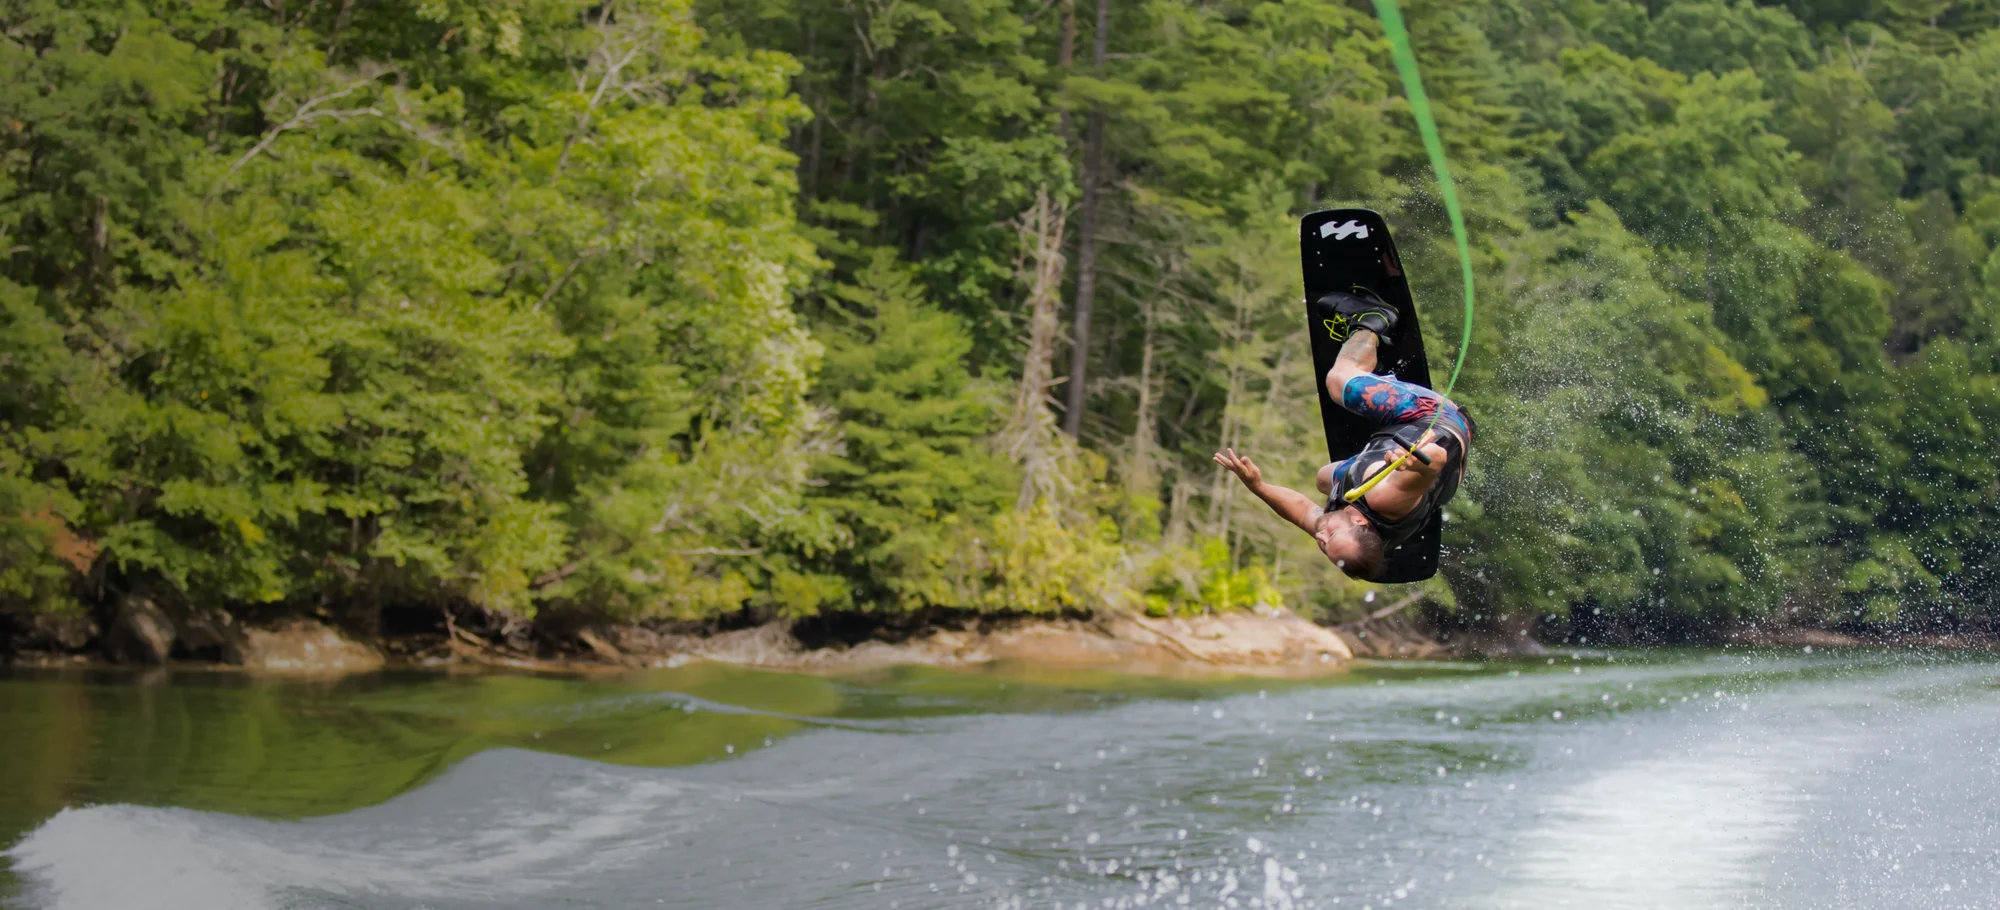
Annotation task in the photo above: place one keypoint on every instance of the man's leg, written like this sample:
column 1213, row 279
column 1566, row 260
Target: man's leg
column 1356, row 387
column 1357, row 358
column 1385, row 399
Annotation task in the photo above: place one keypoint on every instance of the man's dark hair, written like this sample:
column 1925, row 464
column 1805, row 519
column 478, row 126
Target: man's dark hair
column 1370, row 553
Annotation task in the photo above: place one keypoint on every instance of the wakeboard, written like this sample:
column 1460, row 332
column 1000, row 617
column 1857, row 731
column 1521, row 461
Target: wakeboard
column 1345, row 250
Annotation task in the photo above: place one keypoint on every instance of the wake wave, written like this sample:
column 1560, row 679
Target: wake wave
column 500, row 827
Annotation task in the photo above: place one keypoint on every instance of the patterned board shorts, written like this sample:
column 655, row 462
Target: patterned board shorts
column 1392, row 402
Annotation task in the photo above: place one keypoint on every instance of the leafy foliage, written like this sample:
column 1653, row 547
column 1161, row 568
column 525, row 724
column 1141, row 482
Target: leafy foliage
column 641, row 308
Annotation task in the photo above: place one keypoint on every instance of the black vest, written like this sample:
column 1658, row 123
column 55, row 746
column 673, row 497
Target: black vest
column 1387, row 445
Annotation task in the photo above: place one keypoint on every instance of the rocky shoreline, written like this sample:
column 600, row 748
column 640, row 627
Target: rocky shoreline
column 1273, row 641
column 141, row 634
column 1266, row 641
column 1263, row 641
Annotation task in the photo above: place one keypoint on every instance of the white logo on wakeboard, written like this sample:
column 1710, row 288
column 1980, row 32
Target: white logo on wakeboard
column 1344, row 231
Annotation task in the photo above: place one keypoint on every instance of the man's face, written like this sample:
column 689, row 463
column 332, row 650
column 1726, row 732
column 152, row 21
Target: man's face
column 1336, row 536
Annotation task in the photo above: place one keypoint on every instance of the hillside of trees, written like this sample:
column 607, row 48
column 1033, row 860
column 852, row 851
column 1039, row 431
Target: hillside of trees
column 658, row 309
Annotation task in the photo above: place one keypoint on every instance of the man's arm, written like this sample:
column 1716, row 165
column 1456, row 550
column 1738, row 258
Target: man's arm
column 1290, row 505
column 1400, row 492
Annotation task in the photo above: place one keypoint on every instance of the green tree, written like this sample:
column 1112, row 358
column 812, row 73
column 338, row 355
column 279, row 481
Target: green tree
column 915, row 463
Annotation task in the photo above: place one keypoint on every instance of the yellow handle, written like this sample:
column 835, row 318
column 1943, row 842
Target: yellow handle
column 1362, row 490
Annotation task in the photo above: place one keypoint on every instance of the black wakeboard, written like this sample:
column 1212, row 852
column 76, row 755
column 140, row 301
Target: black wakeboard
column 1341, row 250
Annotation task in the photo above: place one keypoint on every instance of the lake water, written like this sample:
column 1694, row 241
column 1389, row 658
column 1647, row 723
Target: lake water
column 1687, row 780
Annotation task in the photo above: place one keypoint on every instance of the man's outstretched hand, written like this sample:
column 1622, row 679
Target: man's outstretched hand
column 1241, row 466
column 1289, row 504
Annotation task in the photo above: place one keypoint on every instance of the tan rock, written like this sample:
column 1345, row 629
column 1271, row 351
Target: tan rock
column 1266, row 641
column 305, row 646
column 1272, row 638
column 1267, row 637
column 1117, row 641
column 770, row 644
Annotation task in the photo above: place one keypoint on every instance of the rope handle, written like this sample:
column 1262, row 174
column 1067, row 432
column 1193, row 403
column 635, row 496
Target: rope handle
column 1362, row 490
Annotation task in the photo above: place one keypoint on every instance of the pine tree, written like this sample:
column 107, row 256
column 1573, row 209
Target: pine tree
column 914, row 424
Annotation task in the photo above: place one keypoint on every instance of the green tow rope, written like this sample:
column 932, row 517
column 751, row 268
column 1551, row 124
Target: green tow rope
column 1420, row 107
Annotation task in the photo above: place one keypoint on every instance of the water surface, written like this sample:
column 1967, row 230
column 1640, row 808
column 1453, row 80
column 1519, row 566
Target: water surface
column 1685, row 780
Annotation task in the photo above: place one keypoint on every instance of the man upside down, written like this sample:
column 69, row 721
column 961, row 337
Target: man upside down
column 1358, row 535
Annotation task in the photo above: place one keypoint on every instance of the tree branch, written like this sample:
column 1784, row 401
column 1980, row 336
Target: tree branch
column 1393, row 608
column 611, row 71
column 557, row 575
column 306, row 115
column 563, row 279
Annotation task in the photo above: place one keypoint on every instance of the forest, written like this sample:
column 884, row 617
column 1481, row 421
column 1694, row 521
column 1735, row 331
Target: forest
column 685, row 309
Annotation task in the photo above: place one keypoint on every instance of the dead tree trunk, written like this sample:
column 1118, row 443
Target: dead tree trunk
column 1141, row 476
column 1030, row 437
column 1224, row 500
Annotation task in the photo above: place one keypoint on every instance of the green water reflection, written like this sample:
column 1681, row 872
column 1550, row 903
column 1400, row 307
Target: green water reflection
column 284, row 748
column 292, row 748
column 288, row 749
